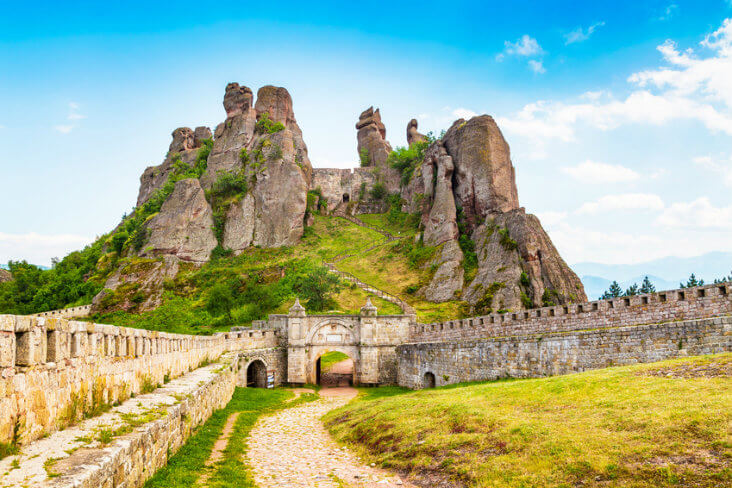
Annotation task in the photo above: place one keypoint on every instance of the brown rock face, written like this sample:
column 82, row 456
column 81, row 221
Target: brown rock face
column 371, row 136
column 501, row 262
column 237, row 99
column 517, row 263
column 5, row 275
column 440, row 224
column 185, row 145
column 485, row 181
column 276, row 101
column 183, row 227
column 412, row 134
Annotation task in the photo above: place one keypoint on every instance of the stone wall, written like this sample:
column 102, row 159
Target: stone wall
column 687, row 303
column 559, row 352
column 51, row 367
column 67, row 313
column 274, row 358
column 79, row 460
column 335, row 183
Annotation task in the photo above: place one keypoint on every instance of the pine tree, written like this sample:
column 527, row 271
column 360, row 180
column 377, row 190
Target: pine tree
column 723, row 279
column 613, row 292
column 632, row 290
column 692, row 282
column 647, row 286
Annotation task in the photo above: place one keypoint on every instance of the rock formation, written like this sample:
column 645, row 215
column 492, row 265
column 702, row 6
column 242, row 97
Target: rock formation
column 260, row 146
column 412, row 134
column 183, row 227
column 467, row 181
column 372, row 143
column 5, row 275
column 185, row 146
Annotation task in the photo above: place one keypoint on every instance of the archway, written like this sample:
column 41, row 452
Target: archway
column 257, row 374
column 346, row 198
column 334, row 369
column 429, row 380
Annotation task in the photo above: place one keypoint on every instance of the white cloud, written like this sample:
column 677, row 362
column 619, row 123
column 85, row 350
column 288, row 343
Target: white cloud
column 537, row 66
column 624, row 201
column 686, row 86
column 669, row 12
column 580, row 34
column 524, row 46
column 700, row 213
column 64, row 129
column 596, row 172
column 38, row 248
column 551, row 218
column 463, row 113
column 73, row 115
column 723, row 168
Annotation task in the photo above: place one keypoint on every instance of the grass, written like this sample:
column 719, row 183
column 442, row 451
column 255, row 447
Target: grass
column 264, row 273
column 188, row 464
column 613, row 427
column 328, row 359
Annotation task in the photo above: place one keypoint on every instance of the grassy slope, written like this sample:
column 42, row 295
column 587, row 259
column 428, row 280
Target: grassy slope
column 612, row 427
column 328, row 359
column 386, row 267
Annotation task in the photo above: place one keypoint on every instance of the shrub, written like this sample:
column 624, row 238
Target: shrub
column 220, row 300
column 506, row 241
column 364, row 157
column 407, row 159
column 265, row 125
column 378, row 192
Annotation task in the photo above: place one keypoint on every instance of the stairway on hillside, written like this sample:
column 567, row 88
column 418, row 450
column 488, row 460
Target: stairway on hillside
column 331, row 265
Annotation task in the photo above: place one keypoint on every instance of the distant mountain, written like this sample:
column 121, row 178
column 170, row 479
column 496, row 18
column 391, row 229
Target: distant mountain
column 596, row 285
column 665, row 273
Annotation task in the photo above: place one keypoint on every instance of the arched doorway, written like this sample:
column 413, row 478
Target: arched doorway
column 429, row 380
column 257, row 374
column 346, row 198
column 334, row 369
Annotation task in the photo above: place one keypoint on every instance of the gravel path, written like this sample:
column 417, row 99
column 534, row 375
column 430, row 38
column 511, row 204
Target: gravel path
column 291, row 448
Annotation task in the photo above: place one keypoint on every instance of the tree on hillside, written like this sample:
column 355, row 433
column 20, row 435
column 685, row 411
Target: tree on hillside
column 647, row 286
column 613, row 292
column 317, row 288
column 691, row 282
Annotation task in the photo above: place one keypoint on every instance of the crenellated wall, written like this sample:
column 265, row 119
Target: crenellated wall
column 54, row 369
column 67, row 313
column 664, row 306
column 430, row 364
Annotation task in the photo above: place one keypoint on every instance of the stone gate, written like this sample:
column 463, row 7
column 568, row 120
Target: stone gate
column 370, row 340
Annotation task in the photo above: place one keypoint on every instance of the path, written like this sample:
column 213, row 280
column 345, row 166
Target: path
column 406, row 308
column 292, row 448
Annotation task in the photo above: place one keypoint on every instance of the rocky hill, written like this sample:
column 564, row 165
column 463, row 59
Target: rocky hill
column 436, row 227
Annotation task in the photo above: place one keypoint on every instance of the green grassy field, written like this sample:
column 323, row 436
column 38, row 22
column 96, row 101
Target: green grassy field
column 188, row 464
column 663, row 424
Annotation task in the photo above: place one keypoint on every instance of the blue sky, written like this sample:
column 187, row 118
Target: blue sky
column 619, row 115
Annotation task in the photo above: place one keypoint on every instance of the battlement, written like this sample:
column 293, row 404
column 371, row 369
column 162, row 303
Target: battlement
column 664, row 306
column 67, row 313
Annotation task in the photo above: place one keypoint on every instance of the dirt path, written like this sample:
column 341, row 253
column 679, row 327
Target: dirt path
column 217, row 453
column 292, row 448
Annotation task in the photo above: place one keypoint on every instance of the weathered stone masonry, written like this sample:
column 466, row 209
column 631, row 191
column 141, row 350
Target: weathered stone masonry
column 564, row 339
column 48, row 366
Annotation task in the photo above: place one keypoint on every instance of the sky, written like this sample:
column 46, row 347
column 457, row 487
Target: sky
column 618, row 114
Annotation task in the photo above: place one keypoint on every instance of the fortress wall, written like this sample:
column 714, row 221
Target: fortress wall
column 559, row 352
column 51, row 369
column 66, row 313
column 335, row 182
column 688, row 303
